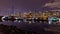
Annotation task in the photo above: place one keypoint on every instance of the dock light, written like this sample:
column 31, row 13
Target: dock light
column 52, row 19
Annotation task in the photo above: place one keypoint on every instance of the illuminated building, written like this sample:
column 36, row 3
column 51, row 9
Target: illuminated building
column 29, row 15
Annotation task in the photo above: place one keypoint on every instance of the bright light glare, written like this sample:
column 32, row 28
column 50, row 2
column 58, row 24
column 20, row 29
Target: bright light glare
column 3, row 18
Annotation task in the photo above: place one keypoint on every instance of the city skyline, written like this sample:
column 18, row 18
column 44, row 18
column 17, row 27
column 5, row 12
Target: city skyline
column 26, row 5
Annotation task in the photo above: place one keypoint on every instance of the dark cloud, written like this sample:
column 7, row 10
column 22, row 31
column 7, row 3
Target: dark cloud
column 54, row 6
column 57, row 0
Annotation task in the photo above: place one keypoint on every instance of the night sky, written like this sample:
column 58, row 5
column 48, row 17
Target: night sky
column 21, row 5
column 18, row 4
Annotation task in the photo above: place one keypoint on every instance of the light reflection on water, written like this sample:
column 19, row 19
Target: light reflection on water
column 23, row 25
